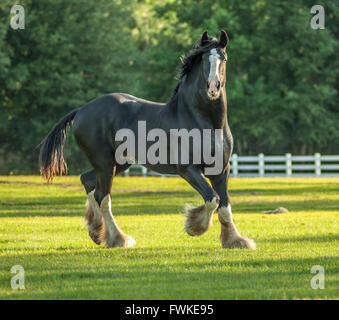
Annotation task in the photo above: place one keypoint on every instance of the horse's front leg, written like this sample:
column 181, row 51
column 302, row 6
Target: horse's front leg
column 199, row 219
column 229, row 236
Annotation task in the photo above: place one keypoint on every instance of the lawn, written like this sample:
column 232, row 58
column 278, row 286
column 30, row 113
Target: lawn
column 42, row 229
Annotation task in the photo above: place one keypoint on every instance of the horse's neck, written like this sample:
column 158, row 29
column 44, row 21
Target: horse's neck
column 210, row 113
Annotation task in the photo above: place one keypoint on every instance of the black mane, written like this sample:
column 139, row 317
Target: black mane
column 188, row 61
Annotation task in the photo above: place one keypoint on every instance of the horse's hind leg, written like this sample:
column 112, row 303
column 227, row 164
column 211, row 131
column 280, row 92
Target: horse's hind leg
column 102, row 160
column 93, row 217
column 89, row 179
column 114, row 237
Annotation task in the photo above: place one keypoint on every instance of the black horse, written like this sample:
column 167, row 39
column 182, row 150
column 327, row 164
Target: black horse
column 197, row 103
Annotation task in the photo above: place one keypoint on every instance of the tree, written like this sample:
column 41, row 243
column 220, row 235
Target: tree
column 282, row 75
column 68, row 54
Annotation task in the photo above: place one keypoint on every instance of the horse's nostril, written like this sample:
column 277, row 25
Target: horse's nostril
column 218, row 85
column 208, row 85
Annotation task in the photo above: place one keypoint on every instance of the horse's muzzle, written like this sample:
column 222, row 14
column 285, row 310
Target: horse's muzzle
column 213, row 89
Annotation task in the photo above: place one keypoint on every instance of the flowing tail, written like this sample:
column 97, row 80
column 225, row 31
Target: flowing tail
column 51, row 160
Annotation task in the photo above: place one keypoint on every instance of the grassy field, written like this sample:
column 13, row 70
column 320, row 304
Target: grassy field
column 41, row 229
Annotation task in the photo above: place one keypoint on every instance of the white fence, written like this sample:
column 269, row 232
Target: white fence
column 288, row 165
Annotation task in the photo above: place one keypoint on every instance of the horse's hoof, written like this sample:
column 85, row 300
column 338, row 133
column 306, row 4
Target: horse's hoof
column 199, row 219
column 231, row 238
column 97, row 232
column 122, row 240
column 95, row 237
column 128, row 241
column 240, row 242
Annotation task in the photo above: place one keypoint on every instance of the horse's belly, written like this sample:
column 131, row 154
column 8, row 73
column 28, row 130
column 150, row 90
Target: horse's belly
column 162, row 168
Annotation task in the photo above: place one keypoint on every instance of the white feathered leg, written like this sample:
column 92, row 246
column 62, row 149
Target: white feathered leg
column 114, row 236
column 199, row 219
column 230, row 236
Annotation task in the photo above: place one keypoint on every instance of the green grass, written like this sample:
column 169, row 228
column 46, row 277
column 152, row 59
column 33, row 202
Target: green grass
column 41, row 228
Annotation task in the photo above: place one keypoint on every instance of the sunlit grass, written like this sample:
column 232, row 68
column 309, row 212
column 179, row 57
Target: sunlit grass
column 41, row 228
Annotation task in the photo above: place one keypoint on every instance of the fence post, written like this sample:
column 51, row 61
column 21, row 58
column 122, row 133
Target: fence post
column 317, row 162
column 288, row 164
column 261, row 162
column 235, row 164
column 144, row 171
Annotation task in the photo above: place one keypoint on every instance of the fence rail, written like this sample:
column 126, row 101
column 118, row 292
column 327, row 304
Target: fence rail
column 316, row 165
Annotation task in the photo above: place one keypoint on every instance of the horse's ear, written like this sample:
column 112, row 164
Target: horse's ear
column 223, row 39
column 204, row 38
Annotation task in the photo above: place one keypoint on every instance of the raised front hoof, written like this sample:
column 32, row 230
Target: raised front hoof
column 199, row 219
column 238, row 242
column 122, row 240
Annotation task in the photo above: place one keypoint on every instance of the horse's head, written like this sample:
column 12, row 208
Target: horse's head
column 213, row 66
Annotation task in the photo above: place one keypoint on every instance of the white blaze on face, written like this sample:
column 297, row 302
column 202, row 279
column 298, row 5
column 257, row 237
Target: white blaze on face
column 214, row 59
column 213, row 77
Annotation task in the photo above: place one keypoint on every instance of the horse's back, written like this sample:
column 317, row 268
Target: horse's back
column 110, row 113
column 116, row 102
column 103, row 109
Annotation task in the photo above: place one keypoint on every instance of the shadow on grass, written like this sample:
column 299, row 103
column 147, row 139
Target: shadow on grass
column 293, row 206
column 306, row 238
column 155, row 274
column 128, row 204
column 134, row 202
column 317, row 188
column 166, row 252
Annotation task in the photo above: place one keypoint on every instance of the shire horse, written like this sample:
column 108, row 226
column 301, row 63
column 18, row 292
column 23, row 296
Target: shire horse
column 198, row 101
